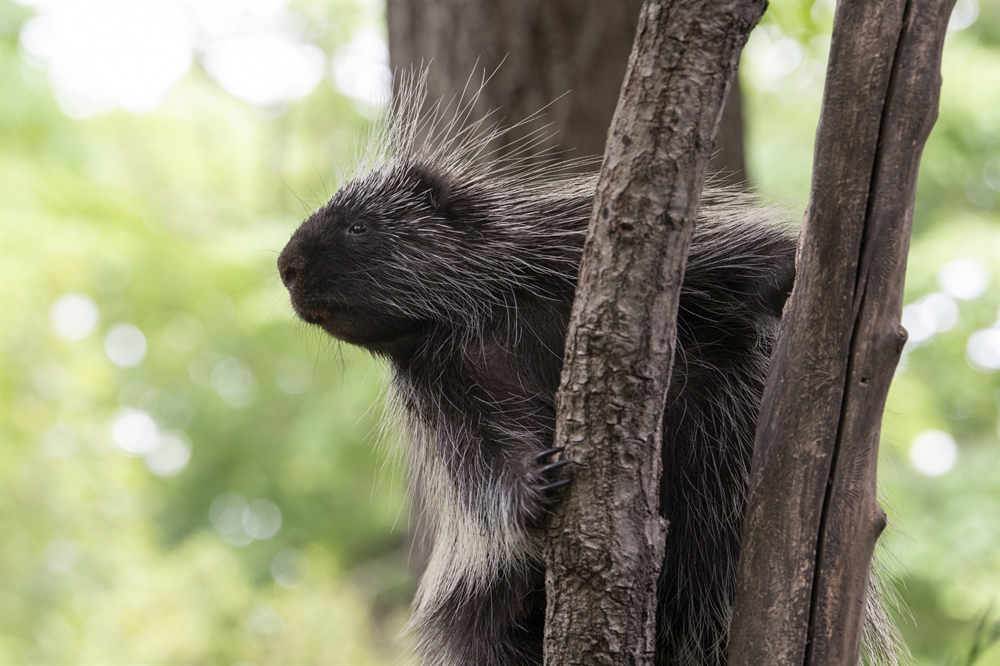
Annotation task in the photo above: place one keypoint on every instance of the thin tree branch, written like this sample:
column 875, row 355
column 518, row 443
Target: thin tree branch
column 607, row 539
column 813, row 517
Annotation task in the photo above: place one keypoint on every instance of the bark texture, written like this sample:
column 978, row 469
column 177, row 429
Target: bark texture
column 607, row 540
column 813, row 517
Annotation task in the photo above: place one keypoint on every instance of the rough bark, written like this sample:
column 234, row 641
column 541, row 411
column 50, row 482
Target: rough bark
column 813, row 517
column 607, row 539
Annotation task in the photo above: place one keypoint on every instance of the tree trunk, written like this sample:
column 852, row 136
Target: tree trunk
column 570, row 54
column 607, row 539
column 813, row 518
column 728, row 165
column 547, row 48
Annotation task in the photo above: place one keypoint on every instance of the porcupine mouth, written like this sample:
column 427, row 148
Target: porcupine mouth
column 334, row 320
column 319, row 314
column 315, row 316
column 311, row 311
column 341, row 322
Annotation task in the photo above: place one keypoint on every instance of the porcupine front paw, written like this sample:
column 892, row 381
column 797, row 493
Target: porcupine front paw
column 553, row 485
column 541, row 486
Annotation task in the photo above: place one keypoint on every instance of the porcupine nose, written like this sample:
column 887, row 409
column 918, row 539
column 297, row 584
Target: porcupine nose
column 289, row 266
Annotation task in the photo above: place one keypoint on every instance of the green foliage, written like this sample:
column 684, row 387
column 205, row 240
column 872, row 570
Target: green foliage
column 170, row 221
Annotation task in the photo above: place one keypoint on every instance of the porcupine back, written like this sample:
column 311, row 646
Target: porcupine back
column 460, row 268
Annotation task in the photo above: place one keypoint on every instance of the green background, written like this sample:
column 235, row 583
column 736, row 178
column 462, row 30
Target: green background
column 171, row 221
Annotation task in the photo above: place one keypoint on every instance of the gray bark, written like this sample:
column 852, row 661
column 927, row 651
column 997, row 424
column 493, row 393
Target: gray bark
column 813, row 518
column 607, row 539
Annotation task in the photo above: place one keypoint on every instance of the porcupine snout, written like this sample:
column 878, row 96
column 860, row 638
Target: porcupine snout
column 290, row 264
column 299, row 279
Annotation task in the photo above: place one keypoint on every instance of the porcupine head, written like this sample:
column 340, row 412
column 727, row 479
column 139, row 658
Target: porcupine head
column 433, row 232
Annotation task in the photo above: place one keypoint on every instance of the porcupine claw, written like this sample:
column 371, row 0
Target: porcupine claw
column 549, row 452
column 556, row 465
column 551, row 488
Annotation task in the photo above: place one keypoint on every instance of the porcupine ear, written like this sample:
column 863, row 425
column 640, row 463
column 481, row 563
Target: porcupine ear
column 433, row 189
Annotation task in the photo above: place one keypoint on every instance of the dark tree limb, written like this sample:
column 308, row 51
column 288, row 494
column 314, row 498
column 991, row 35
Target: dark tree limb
column 607, row 539
column 813, row 517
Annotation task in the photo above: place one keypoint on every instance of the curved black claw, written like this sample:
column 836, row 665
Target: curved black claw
column 549, row 452
column 546, row 480
column 554, row 466
column 558, row 485
column 552, row 490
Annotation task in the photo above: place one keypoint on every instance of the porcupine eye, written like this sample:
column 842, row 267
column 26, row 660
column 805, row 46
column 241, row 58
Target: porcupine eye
column 358, row 228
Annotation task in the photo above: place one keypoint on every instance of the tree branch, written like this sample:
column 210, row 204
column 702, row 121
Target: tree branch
column 813, row 517
column 607, row 541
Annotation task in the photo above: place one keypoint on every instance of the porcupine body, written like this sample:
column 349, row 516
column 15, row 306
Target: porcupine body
column 461, row 271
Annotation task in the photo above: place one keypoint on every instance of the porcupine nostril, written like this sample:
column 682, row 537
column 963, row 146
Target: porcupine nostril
column 287, row 269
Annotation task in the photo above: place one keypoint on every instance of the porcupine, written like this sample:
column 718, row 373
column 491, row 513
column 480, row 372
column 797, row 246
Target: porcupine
column 460, row 269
